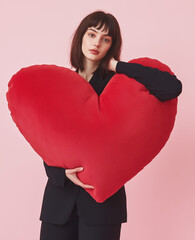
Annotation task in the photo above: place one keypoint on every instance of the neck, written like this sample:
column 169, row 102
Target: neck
column 90, row 67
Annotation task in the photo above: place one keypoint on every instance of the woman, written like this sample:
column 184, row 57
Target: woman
column 68, row 211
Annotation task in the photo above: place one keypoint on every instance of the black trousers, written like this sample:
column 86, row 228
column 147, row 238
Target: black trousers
column 77, row 229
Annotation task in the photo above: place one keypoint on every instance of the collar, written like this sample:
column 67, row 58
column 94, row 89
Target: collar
column 97, row 75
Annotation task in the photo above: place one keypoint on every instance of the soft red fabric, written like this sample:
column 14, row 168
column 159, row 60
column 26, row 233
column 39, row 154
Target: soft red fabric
column 113, row 136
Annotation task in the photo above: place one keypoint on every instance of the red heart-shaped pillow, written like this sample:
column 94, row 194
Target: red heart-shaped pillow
column 113, row 136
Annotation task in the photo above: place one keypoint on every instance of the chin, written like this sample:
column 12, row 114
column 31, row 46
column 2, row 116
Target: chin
column 94, row 58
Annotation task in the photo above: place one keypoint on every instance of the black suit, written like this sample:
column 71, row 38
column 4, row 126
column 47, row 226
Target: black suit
column 61, row 194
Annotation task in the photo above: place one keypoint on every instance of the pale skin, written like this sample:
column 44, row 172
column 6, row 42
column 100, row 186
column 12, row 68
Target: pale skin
column 92, row 39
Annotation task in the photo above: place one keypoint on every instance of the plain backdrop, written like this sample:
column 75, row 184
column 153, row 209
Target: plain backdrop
column 160, row 199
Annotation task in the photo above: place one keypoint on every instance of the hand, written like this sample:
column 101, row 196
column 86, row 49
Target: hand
column 71, row 174
column 112, row 64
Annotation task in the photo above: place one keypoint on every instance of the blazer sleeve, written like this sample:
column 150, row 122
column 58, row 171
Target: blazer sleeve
column 161, row 84
column 56, row 175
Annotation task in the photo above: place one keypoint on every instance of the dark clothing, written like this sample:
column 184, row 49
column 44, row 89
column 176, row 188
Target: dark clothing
column 76, row 229
column 61, row 194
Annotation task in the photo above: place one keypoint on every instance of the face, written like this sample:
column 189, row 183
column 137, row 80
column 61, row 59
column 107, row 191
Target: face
column 97, row 40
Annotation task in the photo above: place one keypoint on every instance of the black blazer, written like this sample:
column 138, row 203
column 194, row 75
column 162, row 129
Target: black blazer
column 61, row 194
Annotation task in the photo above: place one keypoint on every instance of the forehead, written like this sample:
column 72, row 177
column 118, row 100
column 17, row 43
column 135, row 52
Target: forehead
column 105, row 33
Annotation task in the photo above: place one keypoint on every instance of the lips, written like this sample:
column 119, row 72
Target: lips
column 94, row 51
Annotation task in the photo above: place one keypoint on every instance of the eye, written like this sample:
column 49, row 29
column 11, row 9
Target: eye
column 107, row 40
column 91, row 34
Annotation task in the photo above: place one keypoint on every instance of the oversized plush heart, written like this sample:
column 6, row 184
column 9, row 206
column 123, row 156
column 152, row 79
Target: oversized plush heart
column 113, row 136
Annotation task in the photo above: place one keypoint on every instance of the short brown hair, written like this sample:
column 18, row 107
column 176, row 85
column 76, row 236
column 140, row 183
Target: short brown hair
column 93, row 20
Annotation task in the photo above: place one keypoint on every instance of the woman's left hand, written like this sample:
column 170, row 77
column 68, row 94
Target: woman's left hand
column 112, row 64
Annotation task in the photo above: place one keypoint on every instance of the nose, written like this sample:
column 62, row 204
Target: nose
column 97, row 42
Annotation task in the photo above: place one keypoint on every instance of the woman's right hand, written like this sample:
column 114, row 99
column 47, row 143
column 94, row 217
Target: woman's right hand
column 71, row 174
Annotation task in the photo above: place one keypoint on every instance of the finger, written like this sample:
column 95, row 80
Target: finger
column 88, row 186
column 81, row 184
column 78, row 182
column 78, row 169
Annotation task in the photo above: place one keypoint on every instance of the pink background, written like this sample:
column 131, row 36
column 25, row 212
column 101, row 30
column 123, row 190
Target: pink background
column 161, row 198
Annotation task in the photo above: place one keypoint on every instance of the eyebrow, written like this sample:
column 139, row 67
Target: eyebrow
column 96, row 32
